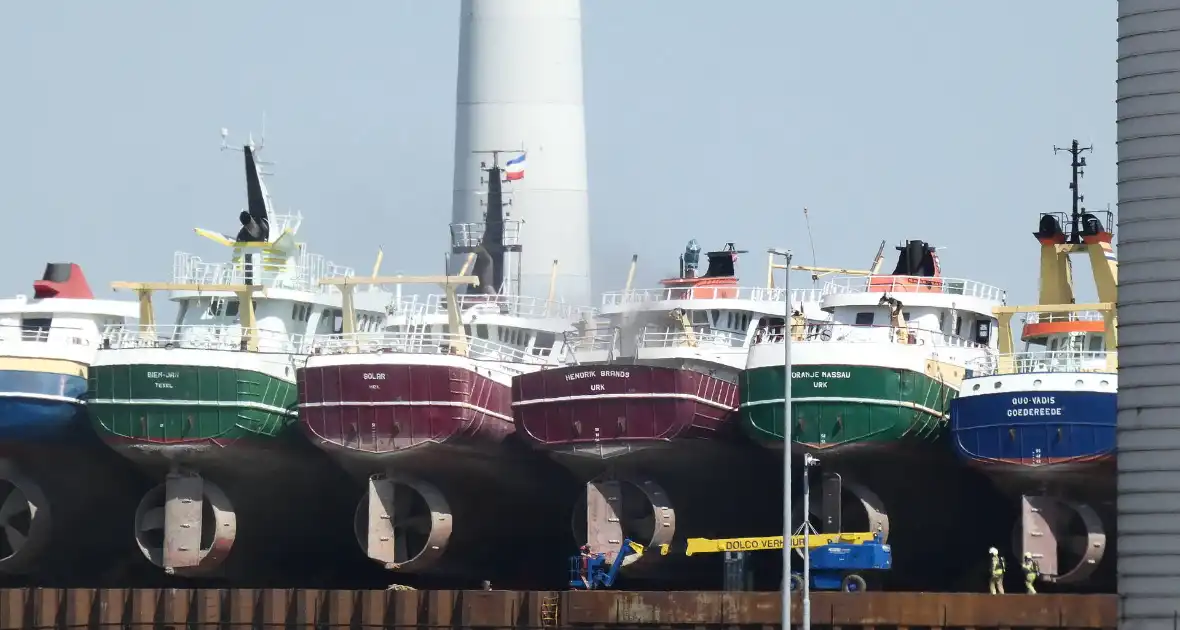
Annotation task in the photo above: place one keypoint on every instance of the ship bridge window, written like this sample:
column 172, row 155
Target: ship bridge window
column 543, row 345
column 232, row 307
column 301, row 312
column 983, row 332
column 481, row 331
column 864, row 319
column 1095, row 344
column 35, row 328
column 700, row 318
column 337, row 321
column 958, row 325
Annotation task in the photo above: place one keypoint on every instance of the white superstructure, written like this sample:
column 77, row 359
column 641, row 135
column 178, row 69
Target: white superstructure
column 707, row 321
column 64, row 330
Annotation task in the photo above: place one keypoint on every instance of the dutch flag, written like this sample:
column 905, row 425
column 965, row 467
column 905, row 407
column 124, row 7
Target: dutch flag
column 514, row 169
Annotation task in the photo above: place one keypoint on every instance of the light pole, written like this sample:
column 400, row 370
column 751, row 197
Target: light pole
column 808, row 462
column 786, row 437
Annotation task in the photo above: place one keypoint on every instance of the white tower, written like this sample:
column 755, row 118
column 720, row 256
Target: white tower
column 1149, row 303
column 520, row 87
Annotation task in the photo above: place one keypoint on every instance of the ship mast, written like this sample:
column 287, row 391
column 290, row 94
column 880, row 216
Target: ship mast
column 497, row 236
column 1078, row 164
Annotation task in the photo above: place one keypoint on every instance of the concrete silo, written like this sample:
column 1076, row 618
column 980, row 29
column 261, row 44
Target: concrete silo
column 520, row 88
column 1149, row 312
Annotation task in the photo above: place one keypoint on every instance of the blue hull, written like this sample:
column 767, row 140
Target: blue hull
column 1038, row 436
column 40, row 405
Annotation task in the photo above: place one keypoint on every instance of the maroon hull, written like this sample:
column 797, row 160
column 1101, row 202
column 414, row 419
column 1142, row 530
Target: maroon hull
column 432, row 442
column 378, row 412
column 579, row 407
column 659, row 453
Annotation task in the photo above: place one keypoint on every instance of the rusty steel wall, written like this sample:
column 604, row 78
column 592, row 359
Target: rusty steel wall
column 245, row 609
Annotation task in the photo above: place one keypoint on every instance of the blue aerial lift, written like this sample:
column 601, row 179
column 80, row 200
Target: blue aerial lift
column 837, row 560
column 591, row 571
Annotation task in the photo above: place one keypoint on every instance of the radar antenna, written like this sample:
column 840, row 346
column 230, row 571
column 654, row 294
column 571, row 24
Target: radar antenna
column 256, row 149
column 1075, row 151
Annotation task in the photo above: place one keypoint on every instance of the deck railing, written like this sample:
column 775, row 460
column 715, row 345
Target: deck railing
column 510, row 305
column 913, row 284
column 1042, row 362
column 199, row 337
column 423, row 343
column 674, row 294
column 1083, row 316
column 55, row 335
column 305, row 275
column 701, row 337
column 608, row 338
column 852, row 333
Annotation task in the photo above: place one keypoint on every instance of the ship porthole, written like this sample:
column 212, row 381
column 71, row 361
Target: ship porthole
column 997, row 385
column 1104, row 383
column 1037, row 383
column 1077, row 383
column 975, row 388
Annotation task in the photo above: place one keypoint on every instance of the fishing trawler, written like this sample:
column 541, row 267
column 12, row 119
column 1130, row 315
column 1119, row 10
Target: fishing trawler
column 647, row 415
column 47, row 343
column 210, row 402
column 422, row 411
column 871, row 394
column 1041, row 422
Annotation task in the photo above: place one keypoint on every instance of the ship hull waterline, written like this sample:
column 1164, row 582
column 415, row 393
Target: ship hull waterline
column 217, row 429
column 1052, row 453
column 659, row 453
column 883, row 430
column 438, row 429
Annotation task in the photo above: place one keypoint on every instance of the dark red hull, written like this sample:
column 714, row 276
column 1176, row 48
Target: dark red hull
column 437, row 429
column 379, row 412
column 582, row 408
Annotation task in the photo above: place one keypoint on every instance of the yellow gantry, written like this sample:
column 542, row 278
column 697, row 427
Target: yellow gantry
column 147, row 315
column 450, row 285
column 1004, row 318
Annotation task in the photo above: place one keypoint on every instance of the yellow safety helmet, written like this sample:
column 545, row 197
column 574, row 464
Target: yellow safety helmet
column 993, row 551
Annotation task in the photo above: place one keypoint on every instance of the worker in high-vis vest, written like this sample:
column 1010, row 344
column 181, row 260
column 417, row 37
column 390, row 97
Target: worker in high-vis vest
column 996, row 577
column 1032, row 571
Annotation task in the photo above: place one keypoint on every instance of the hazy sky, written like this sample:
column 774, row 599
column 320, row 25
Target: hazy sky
column 717, row 121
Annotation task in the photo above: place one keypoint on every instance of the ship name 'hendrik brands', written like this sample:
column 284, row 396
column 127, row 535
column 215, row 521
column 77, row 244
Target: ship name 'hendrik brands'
column 598, row 374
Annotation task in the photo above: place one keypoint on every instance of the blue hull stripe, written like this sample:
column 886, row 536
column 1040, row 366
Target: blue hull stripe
column 40, row 405
column 1034, row 428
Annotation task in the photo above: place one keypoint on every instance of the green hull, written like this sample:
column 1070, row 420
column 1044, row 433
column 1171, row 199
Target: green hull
column 146, row 404
column 845, row 407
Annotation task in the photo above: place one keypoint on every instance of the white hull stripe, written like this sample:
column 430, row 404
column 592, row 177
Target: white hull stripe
column 51, row 397
column 863, row 401
column 195, row 403
column 562, row 399
column 409, row 403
